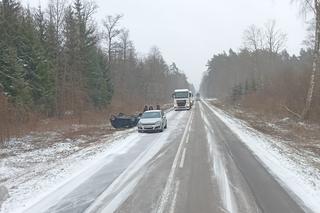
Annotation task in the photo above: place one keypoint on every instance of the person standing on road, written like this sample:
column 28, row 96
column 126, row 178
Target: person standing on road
column 145, row 108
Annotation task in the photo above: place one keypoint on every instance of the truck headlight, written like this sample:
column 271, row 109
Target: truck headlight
column 158, row 123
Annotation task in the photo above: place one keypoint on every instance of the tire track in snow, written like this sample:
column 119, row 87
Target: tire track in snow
column 168, row 187
column 219, row 170
column 54, row 196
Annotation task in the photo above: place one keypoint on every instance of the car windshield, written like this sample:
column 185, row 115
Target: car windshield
column 181, row 94
column 151, row 115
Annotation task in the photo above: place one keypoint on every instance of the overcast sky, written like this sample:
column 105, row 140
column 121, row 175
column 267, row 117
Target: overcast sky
column 189, row 32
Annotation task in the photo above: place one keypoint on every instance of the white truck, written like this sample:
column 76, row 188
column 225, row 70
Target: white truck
column 182, row 99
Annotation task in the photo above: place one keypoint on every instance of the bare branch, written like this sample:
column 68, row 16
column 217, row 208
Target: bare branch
column 252, row 38
column 306, row 6
column 291, row 111
column 274, row 38
column 111, row 24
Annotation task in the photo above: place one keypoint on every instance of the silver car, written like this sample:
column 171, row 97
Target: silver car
column 152, row 121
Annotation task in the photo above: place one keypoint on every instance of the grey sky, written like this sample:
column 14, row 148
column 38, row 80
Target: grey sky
column 189, row 32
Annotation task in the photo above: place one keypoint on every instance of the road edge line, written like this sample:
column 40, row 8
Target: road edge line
column 174, row 200
column 182, row 158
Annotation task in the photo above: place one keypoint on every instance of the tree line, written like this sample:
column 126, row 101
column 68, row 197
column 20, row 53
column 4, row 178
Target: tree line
column 57, row 61
column 50, row 60
column 264, row 75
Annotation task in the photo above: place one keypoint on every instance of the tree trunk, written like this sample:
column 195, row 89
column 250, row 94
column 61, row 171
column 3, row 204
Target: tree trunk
column 109, row 49
column 315, row 66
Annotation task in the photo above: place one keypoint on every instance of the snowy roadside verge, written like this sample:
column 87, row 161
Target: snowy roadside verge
column 43, row 170
column 302, row 181
column 36, row 165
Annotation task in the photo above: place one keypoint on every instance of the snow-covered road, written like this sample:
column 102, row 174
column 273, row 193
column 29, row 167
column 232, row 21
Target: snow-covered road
column 107, row 181
column 205, row 161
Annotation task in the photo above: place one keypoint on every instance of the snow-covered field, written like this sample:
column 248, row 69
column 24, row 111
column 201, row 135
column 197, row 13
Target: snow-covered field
column 299, row 179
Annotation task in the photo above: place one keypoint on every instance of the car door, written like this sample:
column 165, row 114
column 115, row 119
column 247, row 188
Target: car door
column 164, row 119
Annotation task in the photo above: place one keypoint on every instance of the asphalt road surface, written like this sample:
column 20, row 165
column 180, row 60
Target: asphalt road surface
column 197, row 165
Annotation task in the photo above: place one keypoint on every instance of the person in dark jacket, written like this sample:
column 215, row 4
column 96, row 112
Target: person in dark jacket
column 150, row 107
column 158, row 107
column 145, row 108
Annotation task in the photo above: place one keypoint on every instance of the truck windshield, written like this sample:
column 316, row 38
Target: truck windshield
column 181, row 94
column 151, row 115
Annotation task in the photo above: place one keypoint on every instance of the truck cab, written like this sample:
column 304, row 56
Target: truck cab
column 182, row 99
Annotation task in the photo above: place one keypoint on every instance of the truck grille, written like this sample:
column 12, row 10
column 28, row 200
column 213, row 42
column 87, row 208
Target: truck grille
column 181, row 103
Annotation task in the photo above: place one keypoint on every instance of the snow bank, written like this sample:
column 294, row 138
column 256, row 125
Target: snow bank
column 300, row 180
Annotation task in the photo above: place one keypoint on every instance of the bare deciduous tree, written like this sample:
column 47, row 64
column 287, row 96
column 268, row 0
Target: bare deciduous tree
column 252, row 38
column 125, row 44
column 112, row 31
column 310, row 39
column 253, row 41
column 90, row 8
column 56, row 13
column 274, row 38
column 313, row 7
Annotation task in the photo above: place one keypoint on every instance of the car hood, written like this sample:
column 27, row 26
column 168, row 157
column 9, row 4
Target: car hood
column 149, row 120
